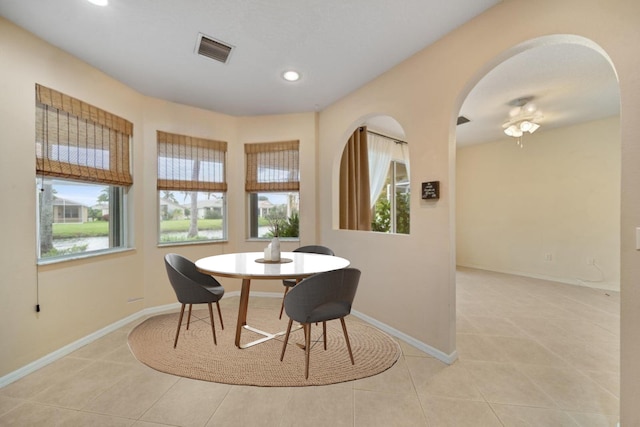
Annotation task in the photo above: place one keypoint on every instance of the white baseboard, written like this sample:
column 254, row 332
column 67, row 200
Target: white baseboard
column 70, row 348
column 441, row 356
column 606, row 286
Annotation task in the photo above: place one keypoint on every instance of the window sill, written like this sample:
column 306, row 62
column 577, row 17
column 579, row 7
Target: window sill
column 197, row 242
column 268, row 239
column 80, row 256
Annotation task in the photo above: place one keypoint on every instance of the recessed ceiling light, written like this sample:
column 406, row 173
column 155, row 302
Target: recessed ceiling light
column 99, row 2
column 291, row 76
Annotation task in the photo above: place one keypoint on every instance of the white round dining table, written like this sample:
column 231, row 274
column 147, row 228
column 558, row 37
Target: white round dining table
column 251, row 265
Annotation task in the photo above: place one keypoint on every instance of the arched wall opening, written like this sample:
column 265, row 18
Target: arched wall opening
column 548, row 201
column 577, row 167
column 389, row 169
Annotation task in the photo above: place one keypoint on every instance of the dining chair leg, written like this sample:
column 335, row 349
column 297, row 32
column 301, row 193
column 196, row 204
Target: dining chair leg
column 175, row 342
column 220, row 315
column 307, row 348
column 286, row 289
column 189, row 316
column 213, row 326
column 346, row 338
column 324, row 334
column 286, row 339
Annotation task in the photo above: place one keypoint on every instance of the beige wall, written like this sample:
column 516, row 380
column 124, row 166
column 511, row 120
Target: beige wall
column 408, row 282
column 557, row 198
column 76, row 297
column 170, row 117
column 181, row 119
column 82, row 296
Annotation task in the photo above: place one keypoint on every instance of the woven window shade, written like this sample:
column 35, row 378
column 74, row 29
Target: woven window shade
column 187, row 163
column 273, row 166
column 76, row 140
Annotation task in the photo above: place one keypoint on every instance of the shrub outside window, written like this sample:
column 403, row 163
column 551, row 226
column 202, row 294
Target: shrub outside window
column 191, row 189
column 391, row 210
column 268, row 209
column 82, row 177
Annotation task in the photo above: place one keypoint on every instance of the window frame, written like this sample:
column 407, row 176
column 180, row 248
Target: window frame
column 191, row 165
column 225, row 225
column 253, row 209
column 392, row 196
column 118, row 224
column 79, row 143
column 271, row 167
column 394, row 201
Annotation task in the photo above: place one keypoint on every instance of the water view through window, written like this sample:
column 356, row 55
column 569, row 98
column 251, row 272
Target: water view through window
column 192, row 216
column 75, row 217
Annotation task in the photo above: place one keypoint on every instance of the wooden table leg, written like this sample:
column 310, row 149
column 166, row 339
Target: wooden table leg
column 242, row 308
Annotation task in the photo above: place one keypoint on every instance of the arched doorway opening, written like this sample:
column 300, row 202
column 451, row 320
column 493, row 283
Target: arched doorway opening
column 538, row 220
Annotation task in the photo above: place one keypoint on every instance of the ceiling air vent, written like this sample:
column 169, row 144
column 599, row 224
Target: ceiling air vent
column 213, row 49
column 462, row 120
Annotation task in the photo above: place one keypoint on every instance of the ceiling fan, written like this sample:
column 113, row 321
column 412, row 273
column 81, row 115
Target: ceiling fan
column 523, row 117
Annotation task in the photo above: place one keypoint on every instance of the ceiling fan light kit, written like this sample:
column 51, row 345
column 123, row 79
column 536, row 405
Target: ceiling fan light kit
column 523, row 119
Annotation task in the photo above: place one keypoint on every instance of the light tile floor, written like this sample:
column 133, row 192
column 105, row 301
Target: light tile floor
column 531, row 353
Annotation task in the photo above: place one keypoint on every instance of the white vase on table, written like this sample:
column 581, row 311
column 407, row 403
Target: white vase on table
column 275, row 249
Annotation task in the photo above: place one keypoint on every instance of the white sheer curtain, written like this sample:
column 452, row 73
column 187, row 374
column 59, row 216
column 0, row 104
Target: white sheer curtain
column 380, row 150
column 405, row 158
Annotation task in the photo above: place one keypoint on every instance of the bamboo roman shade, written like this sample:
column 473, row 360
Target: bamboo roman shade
column 76, row 140
column 187, row 163
column 273, row 166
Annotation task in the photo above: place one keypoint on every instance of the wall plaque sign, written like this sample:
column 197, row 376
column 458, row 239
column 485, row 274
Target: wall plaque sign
column 431, row 190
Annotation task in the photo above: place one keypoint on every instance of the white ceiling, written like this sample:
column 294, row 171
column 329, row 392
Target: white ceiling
column 570, row 83
column 336, row 45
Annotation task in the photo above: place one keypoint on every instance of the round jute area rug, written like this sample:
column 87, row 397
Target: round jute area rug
column 197, row 357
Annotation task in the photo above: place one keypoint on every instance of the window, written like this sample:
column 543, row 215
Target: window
column 391, row 210
column 191, row 189
column 273, row 188
column 74, row 217
column 389, row 183
column 83, row 173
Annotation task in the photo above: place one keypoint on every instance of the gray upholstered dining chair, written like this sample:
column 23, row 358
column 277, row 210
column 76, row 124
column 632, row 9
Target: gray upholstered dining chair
column 310, row 249
column 192, row 287
column 320, row 298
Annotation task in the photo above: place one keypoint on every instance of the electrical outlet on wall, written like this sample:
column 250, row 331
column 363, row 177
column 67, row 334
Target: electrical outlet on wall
column 591, row 261
column 548, row 257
